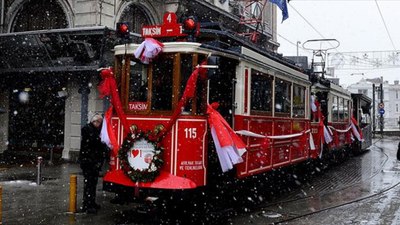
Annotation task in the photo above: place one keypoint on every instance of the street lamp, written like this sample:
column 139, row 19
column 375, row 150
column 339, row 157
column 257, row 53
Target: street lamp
column 297, row 47
column 381, row 122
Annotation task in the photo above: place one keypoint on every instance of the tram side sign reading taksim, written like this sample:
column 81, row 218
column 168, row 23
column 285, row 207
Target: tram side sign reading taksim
column 169, row 28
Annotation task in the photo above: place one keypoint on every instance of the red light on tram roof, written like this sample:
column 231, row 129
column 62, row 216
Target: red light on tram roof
column 190, row 24
column 190, row 27
column 123, row 30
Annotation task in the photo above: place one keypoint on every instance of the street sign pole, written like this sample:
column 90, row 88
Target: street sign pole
column 373, row 111
column 381, row 118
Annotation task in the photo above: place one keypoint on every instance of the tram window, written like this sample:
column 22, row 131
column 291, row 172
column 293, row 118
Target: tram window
column 282, row 98
column 335, row 109
column 299, row 101
column 186, row 71
column 138, row 85
column 341, row 109
column 188, row 63
column 346, row 110
column 162, row 83
column 261, row 92
column 201, row 104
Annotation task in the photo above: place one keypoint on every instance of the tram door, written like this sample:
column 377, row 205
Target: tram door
column 221, row 90
column 222, row 87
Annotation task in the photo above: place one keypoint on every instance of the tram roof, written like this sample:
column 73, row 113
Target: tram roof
column 340, row 90
column 214, row 36
column 232, row 41
column 328, row 86
column 237, row 53
column 362, row 97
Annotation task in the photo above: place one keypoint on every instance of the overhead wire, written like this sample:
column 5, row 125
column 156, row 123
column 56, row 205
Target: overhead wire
column 289, row 41
column 363, row 61
column 360, row 61
column 384, row 23
column 315, row 29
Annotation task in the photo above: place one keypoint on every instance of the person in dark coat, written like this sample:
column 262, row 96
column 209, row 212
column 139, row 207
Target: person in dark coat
column 398, row 152
column 91, row 158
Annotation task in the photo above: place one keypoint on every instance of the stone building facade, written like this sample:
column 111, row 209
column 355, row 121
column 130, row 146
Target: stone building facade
column 391, row 101
column 47, row 96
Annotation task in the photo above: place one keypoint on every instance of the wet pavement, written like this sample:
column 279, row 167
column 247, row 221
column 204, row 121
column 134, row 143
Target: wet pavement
column 363, row 190
column 25, row 202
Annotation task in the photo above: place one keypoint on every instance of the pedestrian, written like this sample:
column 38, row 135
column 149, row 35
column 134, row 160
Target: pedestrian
column 91, row 158
column 398, row 152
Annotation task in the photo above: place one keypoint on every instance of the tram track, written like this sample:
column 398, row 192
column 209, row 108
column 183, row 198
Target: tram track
column 340, row 205
column 294, row 216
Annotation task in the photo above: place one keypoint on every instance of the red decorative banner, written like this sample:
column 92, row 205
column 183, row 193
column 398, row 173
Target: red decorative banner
column 107, row 133
column 356, row 129
column 108, row 87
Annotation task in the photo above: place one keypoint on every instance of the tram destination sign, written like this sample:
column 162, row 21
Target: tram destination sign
column 169, row 28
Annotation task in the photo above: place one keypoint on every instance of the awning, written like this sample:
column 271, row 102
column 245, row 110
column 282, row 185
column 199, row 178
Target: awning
column 72, row 49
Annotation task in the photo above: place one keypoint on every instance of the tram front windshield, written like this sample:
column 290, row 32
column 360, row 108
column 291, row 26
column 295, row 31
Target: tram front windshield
column 151, row 84
column 158, row 86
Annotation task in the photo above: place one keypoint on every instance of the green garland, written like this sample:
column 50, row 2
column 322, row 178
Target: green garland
column 137, row 175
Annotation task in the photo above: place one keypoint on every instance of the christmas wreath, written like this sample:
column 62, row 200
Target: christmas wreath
column 155, row 162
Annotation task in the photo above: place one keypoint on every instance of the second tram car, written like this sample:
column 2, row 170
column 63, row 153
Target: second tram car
column 180, row 122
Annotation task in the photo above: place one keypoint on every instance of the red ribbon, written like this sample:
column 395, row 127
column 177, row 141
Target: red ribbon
column 108, row 87
column 336, row 138
column 358, row 131
column 321, row 130
column 303, row 141
column 110, row 130
column 226, row 135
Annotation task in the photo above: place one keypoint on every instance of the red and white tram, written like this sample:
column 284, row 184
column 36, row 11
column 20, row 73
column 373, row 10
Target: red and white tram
column 173, row 118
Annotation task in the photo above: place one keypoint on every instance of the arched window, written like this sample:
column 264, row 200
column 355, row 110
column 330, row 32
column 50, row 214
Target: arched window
column 136, row 17
column 40, row 15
